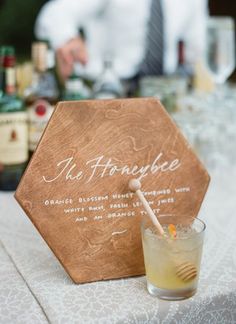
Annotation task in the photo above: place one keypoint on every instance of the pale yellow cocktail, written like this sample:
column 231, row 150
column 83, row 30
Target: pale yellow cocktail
column 164, row 256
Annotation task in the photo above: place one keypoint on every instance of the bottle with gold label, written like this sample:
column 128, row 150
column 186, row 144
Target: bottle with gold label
column 41, row 96
column 13, row 125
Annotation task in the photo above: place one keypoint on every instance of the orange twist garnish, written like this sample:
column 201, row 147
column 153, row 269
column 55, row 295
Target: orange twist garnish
column 172, row 230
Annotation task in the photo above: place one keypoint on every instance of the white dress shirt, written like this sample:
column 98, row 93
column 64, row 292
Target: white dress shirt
column 119, row 27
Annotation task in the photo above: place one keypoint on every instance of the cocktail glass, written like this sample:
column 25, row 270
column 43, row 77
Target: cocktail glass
column 164, row 256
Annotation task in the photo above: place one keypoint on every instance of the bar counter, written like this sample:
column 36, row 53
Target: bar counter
column 34, row 288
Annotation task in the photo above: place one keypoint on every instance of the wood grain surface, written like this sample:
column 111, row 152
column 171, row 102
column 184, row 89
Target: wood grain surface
column 85, row 159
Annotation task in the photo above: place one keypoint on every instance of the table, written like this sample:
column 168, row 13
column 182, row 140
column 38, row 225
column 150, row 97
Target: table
column 34, row 288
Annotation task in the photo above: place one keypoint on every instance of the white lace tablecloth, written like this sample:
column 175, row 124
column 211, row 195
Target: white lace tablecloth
column 34, row 288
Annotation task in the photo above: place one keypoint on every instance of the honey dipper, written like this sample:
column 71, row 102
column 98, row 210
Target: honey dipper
column 186, row 271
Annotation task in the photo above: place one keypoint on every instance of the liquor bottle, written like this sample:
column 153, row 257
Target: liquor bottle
column 13, row 125
column 108, row 85
column 75, row 88
column 51, row 61
column 41, row 96
column 183, row 71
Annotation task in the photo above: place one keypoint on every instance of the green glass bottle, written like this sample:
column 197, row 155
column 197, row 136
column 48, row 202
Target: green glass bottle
column 13, row 125
column 75, row 88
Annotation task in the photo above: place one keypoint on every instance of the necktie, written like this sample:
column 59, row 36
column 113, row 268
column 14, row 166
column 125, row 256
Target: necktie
column 153, row 59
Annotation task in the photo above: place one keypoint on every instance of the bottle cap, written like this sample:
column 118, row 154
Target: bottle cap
column 7, row 51
column 7, row 56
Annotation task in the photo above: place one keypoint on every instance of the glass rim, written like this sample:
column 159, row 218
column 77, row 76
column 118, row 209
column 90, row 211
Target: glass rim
column 200, row 221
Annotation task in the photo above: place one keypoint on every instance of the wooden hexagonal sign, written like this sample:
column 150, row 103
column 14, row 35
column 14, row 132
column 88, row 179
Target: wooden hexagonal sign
column 75, row 189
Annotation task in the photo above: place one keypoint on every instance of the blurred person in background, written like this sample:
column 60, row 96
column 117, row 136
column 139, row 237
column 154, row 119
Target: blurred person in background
column 141, row 35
